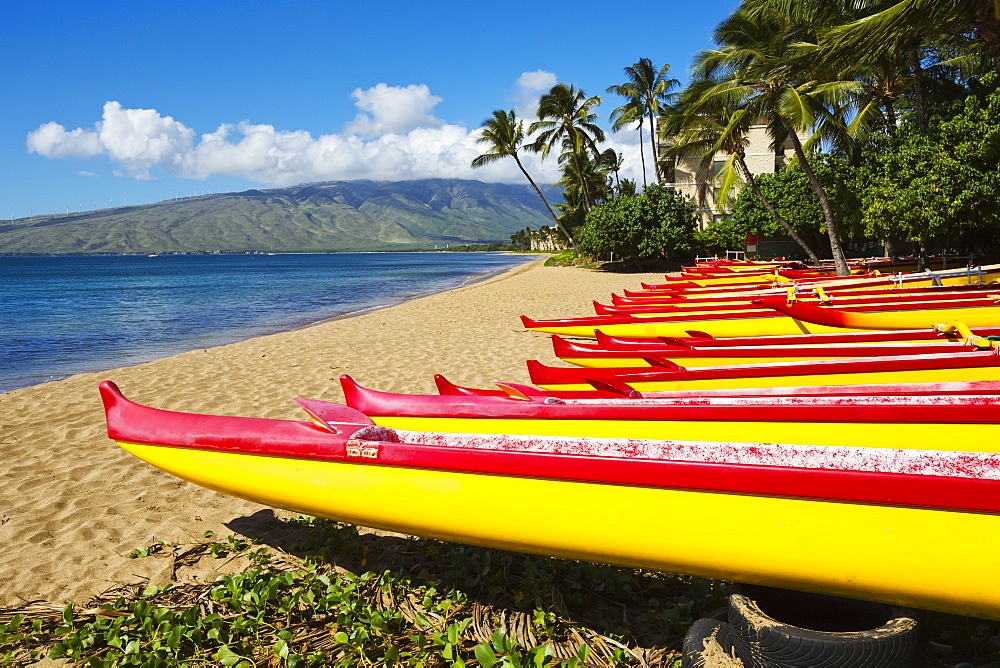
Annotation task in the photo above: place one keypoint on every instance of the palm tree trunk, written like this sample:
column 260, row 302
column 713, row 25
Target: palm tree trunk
column 642, row 155
column 652, row 143
column 890, row 119
column 824, row 202
column 770, row 209
column 552, row 213
column 890, row 250
column 584, row 188
column 918, row 88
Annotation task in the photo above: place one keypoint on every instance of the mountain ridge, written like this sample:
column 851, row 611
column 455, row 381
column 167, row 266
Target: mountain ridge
column 324, row 216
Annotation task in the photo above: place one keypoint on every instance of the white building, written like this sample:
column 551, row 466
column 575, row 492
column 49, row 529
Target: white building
column 700, row 183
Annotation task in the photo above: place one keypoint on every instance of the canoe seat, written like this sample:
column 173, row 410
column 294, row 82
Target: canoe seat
column 376, row 433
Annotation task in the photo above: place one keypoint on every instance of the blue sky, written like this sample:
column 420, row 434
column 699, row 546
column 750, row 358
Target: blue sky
column 119, row 103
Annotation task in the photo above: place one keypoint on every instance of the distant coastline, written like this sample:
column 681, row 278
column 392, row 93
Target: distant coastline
column 335, row 216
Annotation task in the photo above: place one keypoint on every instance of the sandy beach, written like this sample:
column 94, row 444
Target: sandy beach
column 73, row 505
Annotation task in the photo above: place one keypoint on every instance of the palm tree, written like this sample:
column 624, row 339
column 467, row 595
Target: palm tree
column 504, row 133
column 566, row 119
column 864, row 35
column 929, row 18
column 759, row 75
column 610, row 162
column 632, row 112
column 647, row 91
column 706, row 133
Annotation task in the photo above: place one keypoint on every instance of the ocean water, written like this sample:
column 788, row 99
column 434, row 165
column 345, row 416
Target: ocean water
column 74, row 314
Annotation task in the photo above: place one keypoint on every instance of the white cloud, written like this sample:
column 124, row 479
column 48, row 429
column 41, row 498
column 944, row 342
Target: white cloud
column 84, row 172
column 139, row 139
column 53, row 141
column 530, row 86
column 395, row 136
column 387, row 108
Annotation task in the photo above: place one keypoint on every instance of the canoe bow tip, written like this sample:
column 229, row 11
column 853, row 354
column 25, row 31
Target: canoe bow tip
column 349, row 385
column 109, row 387
column 111, row 395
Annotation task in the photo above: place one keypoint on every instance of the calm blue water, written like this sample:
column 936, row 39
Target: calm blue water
column 66, row 315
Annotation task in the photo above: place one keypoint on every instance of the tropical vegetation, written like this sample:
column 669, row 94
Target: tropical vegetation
column 881, row 116
column 658, row 222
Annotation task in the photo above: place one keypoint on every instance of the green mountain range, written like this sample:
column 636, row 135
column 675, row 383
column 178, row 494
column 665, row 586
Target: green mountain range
column 315, row 217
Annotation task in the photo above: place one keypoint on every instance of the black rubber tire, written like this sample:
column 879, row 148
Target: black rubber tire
column 761, row 641
column 718, row 635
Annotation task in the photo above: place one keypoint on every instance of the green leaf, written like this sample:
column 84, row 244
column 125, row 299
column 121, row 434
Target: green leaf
column 485, row 655
column 67, row 615
column 228, row 657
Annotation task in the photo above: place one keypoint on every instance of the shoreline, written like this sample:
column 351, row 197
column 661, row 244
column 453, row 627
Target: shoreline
column 73, row 505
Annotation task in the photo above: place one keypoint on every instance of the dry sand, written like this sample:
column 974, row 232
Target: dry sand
column 73, row 505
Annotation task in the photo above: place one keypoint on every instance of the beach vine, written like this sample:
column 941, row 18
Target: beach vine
column 342, row 598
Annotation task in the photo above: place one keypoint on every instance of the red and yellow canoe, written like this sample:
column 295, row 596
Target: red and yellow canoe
column 720, row 325
column 943, row 367
column 978, row 297
column 919, row 532
column 953, row 332
column 896, row 422
column 594, row 355
column 888, row 316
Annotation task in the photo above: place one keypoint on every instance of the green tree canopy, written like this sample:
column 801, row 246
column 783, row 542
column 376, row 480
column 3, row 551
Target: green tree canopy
column 791, row 195
column 944, row 184
column 658, row 222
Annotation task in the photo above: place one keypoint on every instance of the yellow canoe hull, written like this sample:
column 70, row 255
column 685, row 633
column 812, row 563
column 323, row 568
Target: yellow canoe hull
column 873, row 378
column 931, row 559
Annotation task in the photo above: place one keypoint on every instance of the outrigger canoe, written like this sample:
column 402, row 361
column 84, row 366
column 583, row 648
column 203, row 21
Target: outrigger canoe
column 780, row 316
column 592, row 355
column 953, row 332
column 962, row 276
column 833, row 294
column 943, row 367
column 888, row 317
column 720, row 325
column 611, row 389
column 980, row 297
column 919, row 531
column 896, row 422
